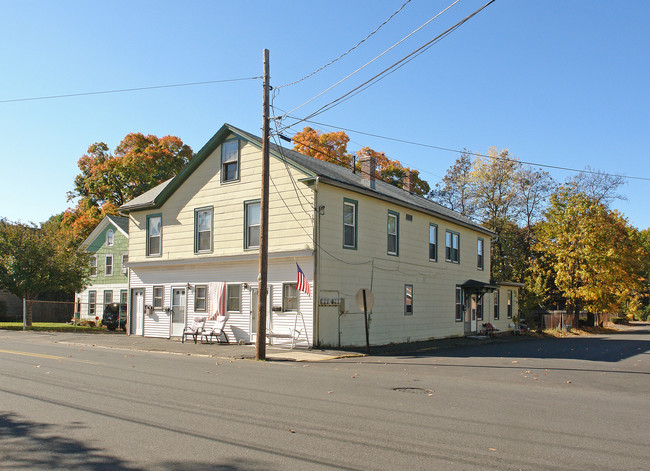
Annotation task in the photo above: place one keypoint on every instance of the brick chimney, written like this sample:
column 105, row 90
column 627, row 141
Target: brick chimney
column 408, row 181
column 368, row 166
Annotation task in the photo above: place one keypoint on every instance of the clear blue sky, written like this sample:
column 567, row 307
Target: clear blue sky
column 563, row 83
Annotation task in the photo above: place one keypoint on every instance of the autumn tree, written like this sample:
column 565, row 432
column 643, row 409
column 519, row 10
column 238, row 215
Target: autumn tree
column 599, row 186
column 108, row 180
column 36, row 261
column 589, row 254
column 393, row 172
column 332, row 147
column 328, row 146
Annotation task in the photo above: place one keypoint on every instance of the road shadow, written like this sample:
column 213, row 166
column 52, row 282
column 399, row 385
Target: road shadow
column 31, row 445
column 610, row 348
column 598, row 349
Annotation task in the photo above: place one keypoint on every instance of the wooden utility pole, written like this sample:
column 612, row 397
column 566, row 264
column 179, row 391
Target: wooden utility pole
column 260, row 340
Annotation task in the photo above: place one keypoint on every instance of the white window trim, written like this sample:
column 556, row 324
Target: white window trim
column 239, row 298
column 93, row 258
column 196, row 297
column 125, row 270
column 106, row 265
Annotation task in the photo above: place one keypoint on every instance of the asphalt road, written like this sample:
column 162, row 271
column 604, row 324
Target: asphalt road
column 535, row 404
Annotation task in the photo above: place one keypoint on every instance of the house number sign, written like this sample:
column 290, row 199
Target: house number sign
column 329, row 301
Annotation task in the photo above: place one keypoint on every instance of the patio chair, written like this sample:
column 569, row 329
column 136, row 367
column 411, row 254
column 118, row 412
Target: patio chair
column 217, row 331
column 194, row 330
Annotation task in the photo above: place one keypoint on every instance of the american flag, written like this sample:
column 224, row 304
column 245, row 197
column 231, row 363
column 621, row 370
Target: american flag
column 302, row 284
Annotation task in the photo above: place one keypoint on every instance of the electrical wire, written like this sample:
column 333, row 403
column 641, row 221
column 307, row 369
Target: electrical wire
column 477, row 154
column 372, row 60
column 123, row 90
column 348, row 51
column 388, row 70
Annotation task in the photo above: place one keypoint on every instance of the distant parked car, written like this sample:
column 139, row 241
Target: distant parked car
column 115, row 316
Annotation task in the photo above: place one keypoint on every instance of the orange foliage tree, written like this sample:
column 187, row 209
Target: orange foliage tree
column 332, row 147
column 107, row 180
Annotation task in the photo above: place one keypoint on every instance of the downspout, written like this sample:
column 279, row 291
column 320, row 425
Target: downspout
column 316, row 239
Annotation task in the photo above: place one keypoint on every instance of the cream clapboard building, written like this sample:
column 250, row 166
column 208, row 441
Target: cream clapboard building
column 427, row 266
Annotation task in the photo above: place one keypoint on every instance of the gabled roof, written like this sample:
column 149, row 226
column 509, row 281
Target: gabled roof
column 326, row 171
column 120, row 223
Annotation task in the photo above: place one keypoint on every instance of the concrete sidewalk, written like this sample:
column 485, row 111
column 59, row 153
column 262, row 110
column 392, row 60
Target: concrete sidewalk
column 228, row 351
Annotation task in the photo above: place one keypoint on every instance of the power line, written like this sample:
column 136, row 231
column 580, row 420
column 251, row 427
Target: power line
column 123, row 90
column 348, row 51
column 377, row 57
column 457, row 151
column 404, row 60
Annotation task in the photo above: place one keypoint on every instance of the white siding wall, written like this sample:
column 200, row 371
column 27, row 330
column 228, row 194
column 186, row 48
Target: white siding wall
column 239, row 323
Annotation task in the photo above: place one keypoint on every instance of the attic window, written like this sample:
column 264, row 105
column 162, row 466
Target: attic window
column 230, row 161
column 110, row 237
column 409, row 217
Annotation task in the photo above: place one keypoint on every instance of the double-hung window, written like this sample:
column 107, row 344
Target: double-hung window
column 108, row 297
column 203, row 230
column 230, row 161
column 459, row 304
column 350, row 224
column 233, row 295
column 252, row 225
column 408, row 300
column 452, row 244
column 433, row 242
column 479, row 254
column 496, row 305
column 154, row 235
column 289, row 297
column 200, row 298
column 393, row 233
column 92, row 303
column 158, row 294
column 93, row 265
column 108, row 266
column 125, row 260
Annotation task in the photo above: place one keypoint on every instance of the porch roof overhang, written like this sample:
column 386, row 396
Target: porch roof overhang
column 478, row 287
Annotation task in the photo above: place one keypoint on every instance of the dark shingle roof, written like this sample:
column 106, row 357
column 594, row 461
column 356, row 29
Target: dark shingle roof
column 121, row 222
column 328, row 172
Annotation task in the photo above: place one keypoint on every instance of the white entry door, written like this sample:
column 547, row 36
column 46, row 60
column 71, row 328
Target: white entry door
column 178, row 312
column 137, row 311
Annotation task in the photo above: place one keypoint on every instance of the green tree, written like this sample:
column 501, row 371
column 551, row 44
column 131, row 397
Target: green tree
column 36, row 261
